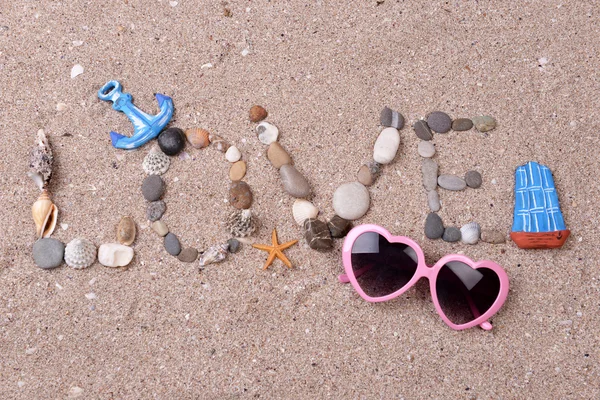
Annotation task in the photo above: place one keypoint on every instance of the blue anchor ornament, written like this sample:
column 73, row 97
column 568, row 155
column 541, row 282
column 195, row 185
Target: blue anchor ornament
column 145, row 127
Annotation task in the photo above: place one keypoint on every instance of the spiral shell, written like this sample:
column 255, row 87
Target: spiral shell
column 303, row 210
column 45, row 215
column 470, row 233
column 80, row 253
column 156, row 162
column 241, row 223
column 41, row 160
column 214, row 254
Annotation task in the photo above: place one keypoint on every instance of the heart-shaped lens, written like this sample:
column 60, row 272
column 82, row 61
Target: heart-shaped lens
column 380, row 267
column 465, row 293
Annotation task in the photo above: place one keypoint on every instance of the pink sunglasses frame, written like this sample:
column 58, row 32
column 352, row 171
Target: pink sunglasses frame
column 423, row 271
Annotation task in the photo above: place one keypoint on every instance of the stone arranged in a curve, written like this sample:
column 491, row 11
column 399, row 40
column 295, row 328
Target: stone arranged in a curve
column 386, row 146
column 48, row 253
column 351, row 200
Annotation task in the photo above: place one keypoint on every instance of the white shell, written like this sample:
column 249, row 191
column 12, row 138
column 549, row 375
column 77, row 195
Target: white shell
column 233, row 154
column 470, row 233
column 156, row 162
column 80, row 253
column 303, row 210
column 214, row 254
column 76, row 70
column 241, row 223
column 267, row 133
column 114, row 255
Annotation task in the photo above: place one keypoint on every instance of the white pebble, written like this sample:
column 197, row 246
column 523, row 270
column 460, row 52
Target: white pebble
column 61, row 107
column 30, row 350
column 233, row 154
column 76, row 71
column 267, row 133
column 114, row 255
column 77, row 43
column 426, row 149
column 386, row 146
column 245, row 52
column 90, row 296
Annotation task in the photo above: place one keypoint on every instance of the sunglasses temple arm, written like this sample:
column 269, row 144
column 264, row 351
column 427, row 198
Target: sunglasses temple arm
column 343, row 278
column 484, row 325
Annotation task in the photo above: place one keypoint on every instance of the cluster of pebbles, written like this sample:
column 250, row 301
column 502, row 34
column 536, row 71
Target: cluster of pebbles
column 440, row 122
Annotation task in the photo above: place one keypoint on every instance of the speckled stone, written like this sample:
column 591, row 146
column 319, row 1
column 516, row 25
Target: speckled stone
column 451, row 182
column 484, row 123
column 422, row 130
column 434, row 227
column 234, row 245
column 240, row 195
column 462, row 124
column 155, row 210
column 153, row 187
column 160, row 228
column 439, row 122
column 429, row 168
column 338, row 226
column 492, row 236
column 391, row 118
column 433, row 200
column 294, row 183
column 172, row 245
column 48, row 253
column 473, row 179
column 171, row 141
column 188, row 255
column 426, row 149
column 451, row 234
column 317, row 234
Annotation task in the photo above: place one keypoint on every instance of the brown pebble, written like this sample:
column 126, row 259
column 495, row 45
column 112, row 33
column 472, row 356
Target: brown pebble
column 240, row 195
column 492, row 236
column 364, row 176
column 257, row 113
column 188, row 255
column 126, row 231
column 198, row 138
column 277, row 155
column 237, row 171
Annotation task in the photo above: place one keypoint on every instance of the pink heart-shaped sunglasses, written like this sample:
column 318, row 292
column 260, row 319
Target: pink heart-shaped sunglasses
column 381, row 267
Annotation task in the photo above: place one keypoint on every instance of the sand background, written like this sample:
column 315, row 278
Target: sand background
column 324, row 70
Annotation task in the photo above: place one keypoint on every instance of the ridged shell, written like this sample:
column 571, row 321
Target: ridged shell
column 470, row 233
column 80, row 253
column 156, row 162
column 126, row 231
column 214, row 254
column 41, row 160
column 45, row 215
column 198, row 138
column 303, row 210
column 241, row 223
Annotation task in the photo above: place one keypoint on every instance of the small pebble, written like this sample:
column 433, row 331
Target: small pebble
column 257, row 113
column 317, row 234
column 433, row 199
column 171, row 141
column 48, row 253
column 391, row 118
column 294, row 183
column 237, row 171
column 351, row 200
column 386, row 146
column 439, row 122
column 426, row 149
column 277, row 155
column 473, row 179
column 126, row 231
column 153, row 187
column 462, row 124
column 234, row 245
column 188, row 255
column 484, row 123
column 338, row 226
column 240, row 195
column 451, row 182
column 429, row 168
column 368, row 173
column 172, row 245
column 267, row 133
column 451, row 234
column 492, row 236
column 160, row 227
column 233, row 154
column 155, row 210
column 422, row 130
column 434, row 227
column 198, row 138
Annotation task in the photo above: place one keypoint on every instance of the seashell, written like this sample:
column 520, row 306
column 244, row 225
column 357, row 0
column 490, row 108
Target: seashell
column 257, row 113
column 114, row 255
column 40, row 161
column 219, row 143
column 80, row 253
column 198, row 138
column 470, row 233
column 241, row 223
column 233, row 154
column 126, row 231
column 303, row 210
column 45, row 215
column 267, row 133
column 76, row 71
column 156, row 162
column 214, row 254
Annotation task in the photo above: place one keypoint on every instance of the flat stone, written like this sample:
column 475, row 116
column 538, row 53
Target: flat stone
column 48, row 253
column 234, row 245
column 240, row 195
column 386, row 146
column 351, row 200
column 422, row 130
column 391, row 118
column 426, row 149
column 277, row 155
column 155, row 210
column 368, row 173
column 484, row 123
column 462, row 124
column 153, row 187
column 492, row 236
column 294, row 183
column 451, row 234
column 473, row 179
column 433, row 200
column 171, row 141
column 172, row 245
column 451, row 182
column 317, row 234
column 439, row 122
column 114, row 255
column 237, row 171
column 160, row 227
column 429, row 168
column 338, row 226
column 434, row 227
column 188, row 255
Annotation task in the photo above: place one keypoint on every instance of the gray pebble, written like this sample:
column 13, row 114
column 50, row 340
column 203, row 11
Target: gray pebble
column 426, row 149
column 188, row 255
column 317, row 234
column 462, row 124
column 48, row 253
column 434, row 227
column 439, row 122
column 451, row 234
column 484, row 123
column 422, row 130
column 351, row 200
column 433, row 199
column 172, row 245
column 153, row 187
column 430, row 174
column 338, row 226
column 391, row 118
column 234, row 245
column 492, row 236
column 294, row 183
column 473, row 179
column 451, row 182
column 155, row 210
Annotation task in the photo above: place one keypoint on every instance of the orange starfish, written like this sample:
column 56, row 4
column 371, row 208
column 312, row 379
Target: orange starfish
column 275, row 251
